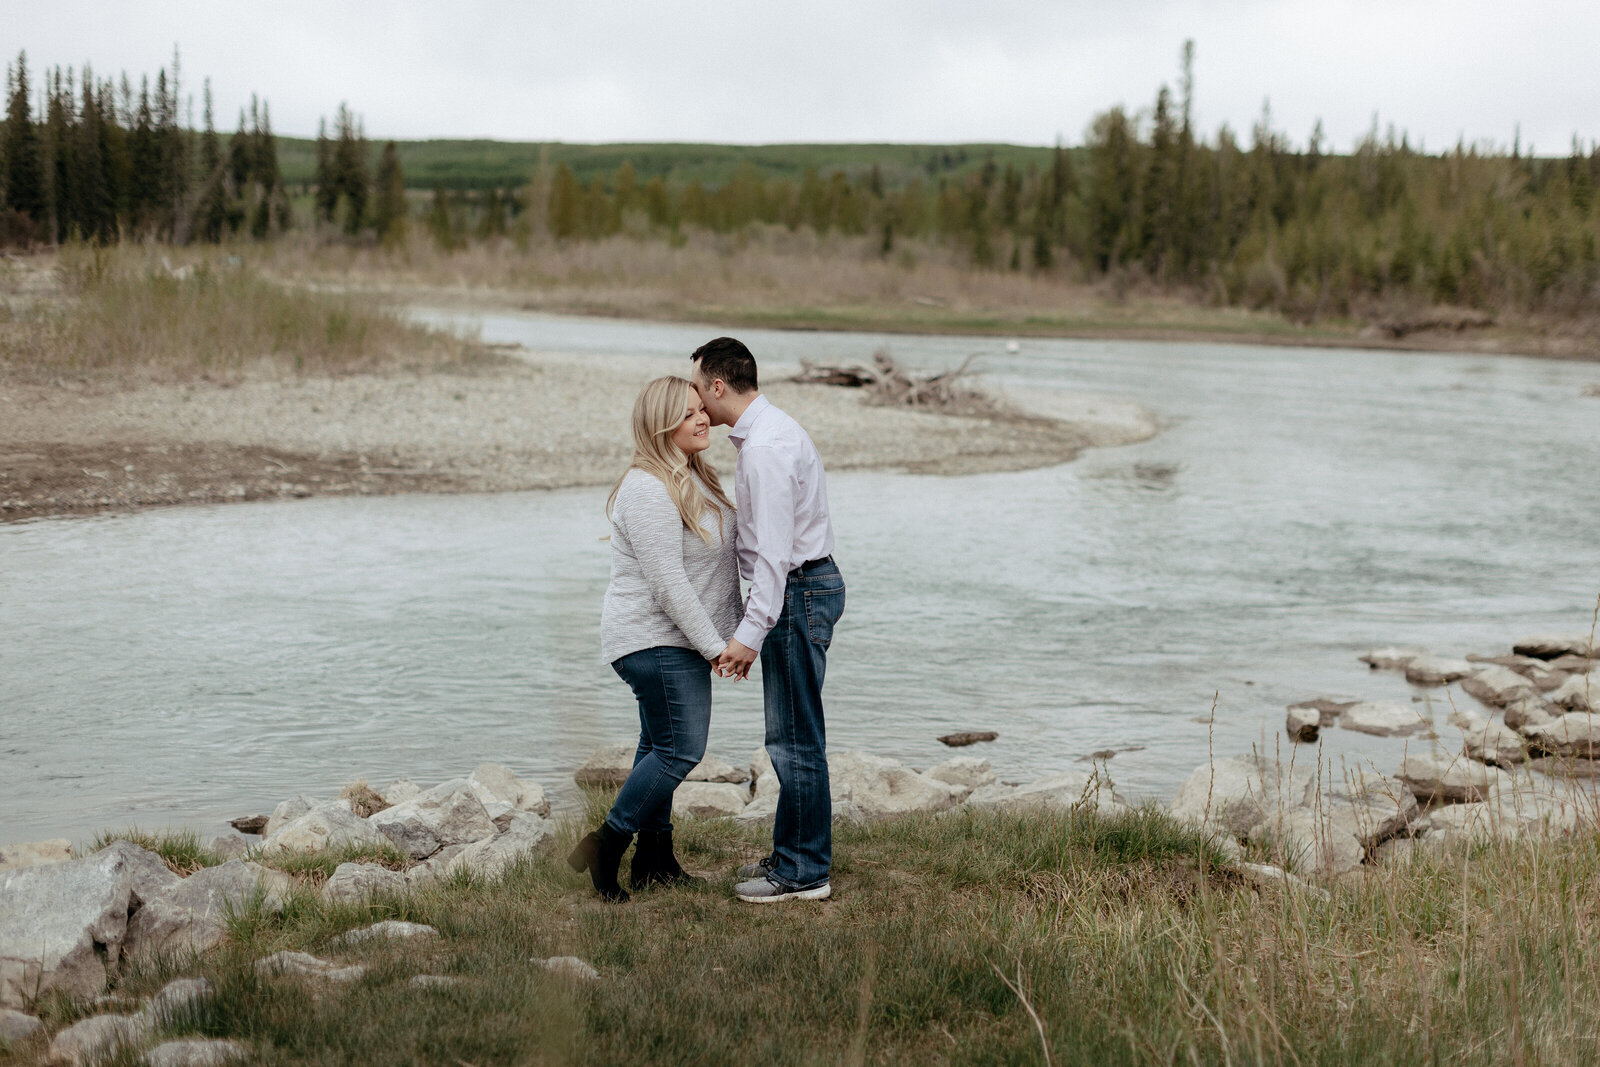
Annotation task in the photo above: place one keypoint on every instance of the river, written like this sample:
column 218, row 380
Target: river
column 181, row 666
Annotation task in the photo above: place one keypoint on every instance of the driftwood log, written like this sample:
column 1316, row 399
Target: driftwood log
column 886, row 382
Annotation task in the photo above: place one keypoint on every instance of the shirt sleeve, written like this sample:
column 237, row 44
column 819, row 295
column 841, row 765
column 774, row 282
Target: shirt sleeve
column 766, row 533
column 655, row 530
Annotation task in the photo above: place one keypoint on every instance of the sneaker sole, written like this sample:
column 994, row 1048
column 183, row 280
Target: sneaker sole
column 821, row 892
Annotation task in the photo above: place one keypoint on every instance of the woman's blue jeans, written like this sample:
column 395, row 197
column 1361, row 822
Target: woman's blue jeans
column 673, row 687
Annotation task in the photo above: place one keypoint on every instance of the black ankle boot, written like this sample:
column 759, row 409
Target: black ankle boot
column 654, row 863
column 600, row 853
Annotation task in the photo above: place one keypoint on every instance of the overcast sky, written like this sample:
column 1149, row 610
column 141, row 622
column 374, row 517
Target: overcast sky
column 863, row 70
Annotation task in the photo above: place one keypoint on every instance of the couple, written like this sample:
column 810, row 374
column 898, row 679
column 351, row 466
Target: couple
column 672, row 616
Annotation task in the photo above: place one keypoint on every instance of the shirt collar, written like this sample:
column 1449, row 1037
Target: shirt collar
column 741, row 429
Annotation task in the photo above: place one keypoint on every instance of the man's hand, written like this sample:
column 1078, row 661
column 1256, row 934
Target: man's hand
column 735, row 661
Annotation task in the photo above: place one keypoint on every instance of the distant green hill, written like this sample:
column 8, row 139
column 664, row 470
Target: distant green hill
column 482, row 164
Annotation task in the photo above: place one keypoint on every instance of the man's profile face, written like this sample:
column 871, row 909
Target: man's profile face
column 708, row 395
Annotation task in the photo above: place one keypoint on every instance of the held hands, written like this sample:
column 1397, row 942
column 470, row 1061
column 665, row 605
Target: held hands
column 734, row 662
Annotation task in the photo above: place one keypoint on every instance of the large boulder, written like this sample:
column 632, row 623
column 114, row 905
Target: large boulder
column 17, row 1026
column 1075, row 790
column 709, row 800
column 495, row 784
column 1385, row 718
column 399, row 791
column 880, row 787
column 63, row 924
column 328, row 825
column 525, row 834
column 966, row 772
column 763, row 803
column 192, row 915
column 1489, row 740
column 448, row 814
column 98, row 1038
column 356, row 882
column 712, row 769
column 1309, row 842
column 1498, row 686
column 608, row 767
column 1436, row 670
column 1392, row 658
column 1551, row 646
column 1369, row 807
column 1580, row 692
column 1524, row 713
column 1302, row 723
column 1439, row 776
column 196, row 1052
column 1573, row 734
column 35, row 853
column 290, row 810
column 176, row 999
column 1235, row 793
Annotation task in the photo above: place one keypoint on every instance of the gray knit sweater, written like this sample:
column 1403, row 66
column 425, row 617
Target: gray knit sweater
column 668, row 587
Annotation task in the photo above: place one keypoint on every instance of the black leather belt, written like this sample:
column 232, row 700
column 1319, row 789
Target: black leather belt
column 811, row 564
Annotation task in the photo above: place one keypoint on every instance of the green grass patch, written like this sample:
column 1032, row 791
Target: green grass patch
column 181, row 849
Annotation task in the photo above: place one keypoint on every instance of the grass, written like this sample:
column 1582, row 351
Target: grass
column 132, row 310
column 968, row 937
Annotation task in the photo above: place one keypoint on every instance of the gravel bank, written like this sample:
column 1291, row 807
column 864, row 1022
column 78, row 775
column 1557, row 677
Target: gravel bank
column 522, row 421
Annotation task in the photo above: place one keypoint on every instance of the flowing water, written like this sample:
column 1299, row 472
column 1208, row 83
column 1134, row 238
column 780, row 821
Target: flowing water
column 181, row 666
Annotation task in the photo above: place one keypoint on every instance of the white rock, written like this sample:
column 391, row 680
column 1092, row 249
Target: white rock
column 35, row 854
column 1303, row 723
column 1549, row 646
column 1235, row 793
column 1488, row 740
column 432, row 981
column 527, row 834
column 1498, row 686
column 1437, row 670
column 1308, row 841
column 1369, row 807
column 608, row 768
column 1438, row 776
column 881, row 787
column 286, row 813
column 17, row 1026
column 62, row 924
column 229, row 846
column 435, row 868
column 712, row 769
column 709, row 799
column 1071, row 790
column 1385, row 718
column 967, row 772
column 1392, row 658
column 176, row 998
column 448, row 814
column 355, row 882
column 763, row 804
column 569, row 967
column 399, row 791
column 191, row 916
column 1268, row 875
column 496, row 782
column 1576, row 733
column 306, row 965
column 388, row 929
column 1401, row 851
column 1524, row 713
column 97, row 1038
column 196, row 1052
column 1580, row 692
column 329, row 825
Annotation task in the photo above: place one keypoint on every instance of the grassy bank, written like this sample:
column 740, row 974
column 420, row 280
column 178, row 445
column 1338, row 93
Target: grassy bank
column 964, row 938
column 126, row 310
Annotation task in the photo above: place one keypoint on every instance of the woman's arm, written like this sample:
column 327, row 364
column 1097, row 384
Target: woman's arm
column 655, row 530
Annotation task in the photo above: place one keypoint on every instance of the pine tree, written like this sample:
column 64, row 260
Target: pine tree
column 211, row 214
column 439, row 224
column 565, row 205
column 144, row 166
column 326, row 196
column 23, row 178
column 349, row 171
column 389, row 215
column 97, row 205
column 1112, row 174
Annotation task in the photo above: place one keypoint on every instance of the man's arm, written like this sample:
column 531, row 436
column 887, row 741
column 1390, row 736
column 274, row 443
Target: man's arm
column 766, row 531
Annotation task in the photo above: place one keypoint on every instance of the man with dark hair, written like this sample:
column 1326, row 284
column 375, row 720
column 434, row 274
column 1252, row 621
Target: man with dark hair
column 785, row 541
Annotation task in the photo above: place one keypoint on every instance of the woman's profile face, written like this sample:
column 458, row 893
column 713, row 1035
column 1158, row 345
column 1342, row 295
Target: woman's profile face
column 693, row 433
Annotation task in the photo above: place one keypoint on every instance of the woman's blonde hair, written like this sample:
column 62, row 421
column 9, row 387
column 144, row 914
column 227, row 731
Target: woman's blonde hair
column 656, row 414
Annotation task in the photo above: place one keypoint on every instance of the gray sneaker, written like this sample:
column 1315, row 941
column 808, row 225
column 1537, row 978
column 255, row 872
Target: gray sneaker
column 760, row 869
column 766, row 891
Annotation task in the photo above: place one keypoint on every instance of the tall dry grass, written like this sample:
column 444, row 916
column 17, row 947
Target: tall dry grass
column 133, row 310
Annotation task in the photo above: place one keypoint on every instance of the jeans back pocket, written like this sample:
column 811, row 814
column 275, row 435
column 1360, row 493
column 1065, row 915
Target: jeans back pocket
column 823, row 609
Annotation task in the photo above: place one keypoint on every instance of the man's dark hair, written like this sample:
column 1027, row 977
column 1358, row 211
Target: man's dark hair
column 730, row 360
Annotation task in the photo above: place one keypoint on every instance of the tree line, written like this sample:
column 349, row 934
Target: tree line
column 1257, row 221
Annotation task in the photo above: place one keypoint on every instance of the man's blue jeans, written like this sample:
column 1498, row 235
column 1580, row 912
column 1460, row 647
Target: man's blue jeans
column 794, row 659
column 673, row 687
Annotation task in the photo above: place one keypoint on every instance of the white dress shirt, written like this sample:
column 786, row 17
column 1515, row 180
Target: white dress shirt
column 782, row 495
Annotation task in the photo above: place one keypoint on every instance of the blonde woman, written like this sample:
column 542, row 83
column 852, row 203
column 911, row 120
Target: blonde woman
column 670, row 608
